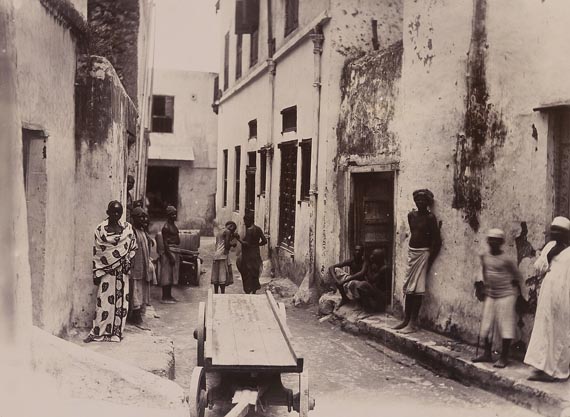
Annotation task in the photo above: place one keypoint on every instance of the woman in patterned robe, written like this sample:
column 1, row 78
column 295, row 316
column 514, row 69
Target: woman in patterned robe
column 115, row 245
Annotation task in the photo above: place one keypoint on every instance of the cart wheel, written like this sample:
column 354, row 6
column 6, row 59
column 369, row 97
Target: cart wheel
column 198, row 397
column 306, row 403
column 200, row 334
column 282, row 311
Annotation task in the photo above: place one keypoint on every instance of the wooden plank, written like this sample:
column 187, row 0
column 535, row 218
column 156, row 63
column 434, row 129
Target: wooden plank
column 224, row 343
column 209, row 327
column 284, row 329
column 240, row 410
column 278, row 353
column 250, row 347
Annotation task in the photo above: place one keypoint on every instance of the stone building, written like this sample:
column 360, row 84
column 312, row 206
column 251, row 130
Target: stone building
column 79, row 128
column 182, row 155
column 473, row 104
column 278, row 111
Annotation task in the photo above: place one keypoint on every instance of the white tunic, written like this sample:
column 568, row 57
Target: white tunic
column 549, row 346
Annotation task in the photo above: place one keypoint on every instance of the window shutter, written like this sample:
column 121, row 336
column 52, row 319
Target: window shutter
column 247, row 16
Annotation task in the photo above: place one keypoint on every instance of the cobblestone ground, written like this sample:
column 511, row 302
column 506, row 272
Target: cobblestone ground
column 349, row 376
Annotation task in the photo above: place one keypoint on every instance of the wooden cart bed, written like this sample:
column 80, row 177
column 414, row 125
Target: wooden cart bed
column 248, row 333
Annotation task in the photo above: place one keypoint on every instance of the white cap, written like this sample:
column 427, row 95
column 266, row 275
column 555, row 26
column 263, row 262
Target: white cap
column 496, row 233
column 561, row 222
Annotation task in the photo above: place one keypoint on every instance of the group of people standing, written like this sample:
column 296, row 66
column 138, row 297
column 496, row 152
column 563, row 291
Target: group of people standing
column 498, row 285
column 127, row 261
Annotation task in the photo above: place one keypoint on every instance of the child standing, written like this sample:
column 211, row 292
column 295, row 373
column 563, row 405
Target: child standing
column 499, row 287
column 221, row 269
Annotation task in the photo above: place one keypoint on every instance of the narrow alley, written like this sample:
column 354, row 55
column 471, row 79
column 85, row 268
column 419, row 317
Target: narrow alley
column 349, row 375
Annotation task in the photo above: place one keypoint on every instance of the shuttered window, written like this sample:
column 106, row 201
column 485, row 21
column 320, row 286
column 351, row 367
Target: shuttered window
column 162, row 114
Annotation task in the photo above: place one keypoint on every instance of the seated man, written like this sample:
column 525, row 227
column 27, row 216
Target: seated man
column 357, row 266
column 370, row 289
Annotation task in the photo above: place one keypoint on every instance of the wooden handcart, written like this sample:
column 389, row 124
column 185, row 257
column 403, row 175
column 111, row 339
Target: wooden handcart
column 245, row 340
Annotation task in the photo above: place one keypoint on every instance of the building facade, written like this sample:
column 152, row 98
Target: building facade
column 278, row 110
column 450, row 97
column 182, row 155
column 79, row 129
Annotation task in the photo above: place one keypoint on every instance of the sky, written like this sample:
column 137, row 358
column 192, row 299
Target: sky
column 186, row 35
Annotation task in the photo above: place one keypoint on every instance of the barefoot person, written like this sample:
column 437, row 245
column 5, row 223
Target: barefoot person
column 114, row 247
column 501, row 282
column 424, row 246
column 370, row 289
column 249, row 262
column 221, row 269
column 169, row 259
column 357, row 269
column 141, row 275
column 549, row 347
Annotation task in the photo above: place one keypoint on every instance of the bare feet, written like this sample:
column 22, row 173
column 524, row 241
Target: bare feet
column 485, row 357
column 410, row 328
column 400, row 326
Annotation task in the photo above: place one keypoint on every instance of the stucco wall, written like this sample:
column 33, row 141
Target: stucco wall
column 103, row 112
column 46, row 102
column 197, row 191
column 486, row 159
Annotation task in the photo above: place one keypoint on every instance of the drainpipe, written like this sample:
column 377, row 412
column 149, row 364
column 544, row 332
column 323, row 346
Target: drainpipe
column 318, row 39
column 270, row 124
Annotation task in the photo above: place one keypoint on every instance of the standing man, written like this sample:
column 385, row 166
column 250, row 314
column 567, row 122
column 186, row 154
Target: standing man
column 130, row 186
column 549, row 347
column 141, row 274
column 249, row 263
column 424, row 246
column 169, row 258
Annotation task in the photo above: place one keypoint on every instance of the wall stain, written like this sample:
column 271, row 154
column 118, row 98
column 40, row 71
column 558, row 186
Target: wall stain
column 484, row 129
column 534, row 132
column 524, row 247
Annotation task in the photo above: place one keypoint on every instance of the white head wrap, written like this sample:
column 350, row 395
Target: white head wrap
column 496, row 233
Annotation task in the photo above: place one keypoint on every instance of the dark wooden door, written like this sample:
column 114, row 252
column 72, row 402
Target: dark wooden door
column 287, row 195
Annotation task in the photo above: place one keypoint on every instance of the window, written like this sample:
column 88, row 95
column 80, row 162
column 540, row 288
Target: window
column 291, row 16
column 162, row 114
column 237, row 178
column 226, row 60
column 305, row 168
column 287, row 194
column 254, row 48
column 262, row 170
column 225, row 179
column 250, row 182
column 238, row 56
column 289, row 119
column 559, row 129
column 247, row 16
column 252, row 128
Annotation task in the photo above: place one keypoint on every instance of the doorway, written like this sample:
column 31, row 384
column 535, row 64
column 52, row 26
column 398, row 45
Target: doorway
column 373, row 215
column 35, row 183
column 250, row 183
column 162, row 189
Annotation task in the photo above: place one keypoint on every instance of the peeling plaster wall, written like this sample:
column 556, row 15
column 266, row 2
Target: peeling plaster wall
column 348, row 36
column 46, row 102
column 104, row 110
column 475, row 141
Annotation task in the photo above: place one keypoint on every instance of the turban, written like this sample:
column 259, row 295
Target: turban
column 561, row 222
column 424, row 193
column 496, row 234
column 137, row 212
column 170, row 210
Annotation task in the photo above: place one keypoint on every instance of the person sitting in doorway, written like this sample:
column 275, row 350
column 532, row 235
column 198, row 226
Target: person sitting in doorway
column 357, row 266
column 370, row 288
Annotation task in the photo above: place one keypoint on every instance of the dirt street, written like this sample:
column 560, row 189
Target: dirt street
column 349, row 376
